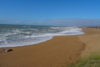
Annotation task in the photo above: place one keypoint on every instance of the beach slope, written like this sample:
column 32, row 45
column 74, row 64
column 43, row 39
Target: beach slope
column 57, row 52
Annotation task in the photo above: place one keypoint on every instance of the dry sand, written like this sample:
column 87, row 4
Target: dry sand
column 92, row 41
column 57, row 52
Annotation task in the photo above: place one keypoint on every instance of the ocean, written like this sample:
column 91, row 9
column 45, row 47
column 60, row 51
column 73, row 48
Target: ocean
column 24, row 35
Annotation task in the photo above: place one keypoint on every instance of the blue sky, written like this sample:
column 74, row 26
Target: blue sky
column 50, row 12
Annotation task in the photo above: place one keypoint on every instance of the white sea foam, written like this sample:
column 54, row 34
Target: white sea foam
column 35, row 39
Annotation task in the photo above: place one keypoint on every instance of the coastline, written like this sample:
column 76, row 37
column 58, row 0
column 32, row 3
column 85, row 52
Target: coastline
column 25, row 39
column 57, row 52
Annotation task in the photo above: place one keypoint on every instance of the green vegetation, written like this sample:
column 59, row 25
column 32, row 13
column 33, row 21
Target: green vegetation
column 91, row 61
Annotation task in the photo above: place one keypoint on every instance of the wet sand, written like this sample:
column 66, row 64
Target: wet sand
column 57, row 52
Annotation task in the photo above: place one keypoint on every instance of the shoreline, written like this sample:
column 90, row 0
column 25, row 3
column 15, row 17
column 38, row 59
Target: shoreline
column 57, row 52
column 43, row 38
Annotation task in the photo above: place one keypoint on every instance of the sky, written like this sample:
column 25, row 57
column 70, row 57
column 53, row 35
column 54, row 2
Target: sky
column 50, row 12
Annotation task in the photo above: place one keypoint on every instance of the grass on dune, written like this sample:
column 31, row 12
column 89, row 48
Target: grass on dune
column 91, row 61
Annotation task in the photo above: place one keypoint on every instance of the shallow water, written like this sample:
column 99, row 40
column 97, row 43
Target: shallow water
column 21, row 35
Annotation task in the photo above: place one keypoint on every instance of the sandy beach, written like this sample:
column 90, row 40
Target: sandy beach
column 57, row 52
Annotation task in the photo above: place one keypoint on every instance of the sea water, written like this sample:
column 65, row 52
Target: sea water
column 24, row 35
